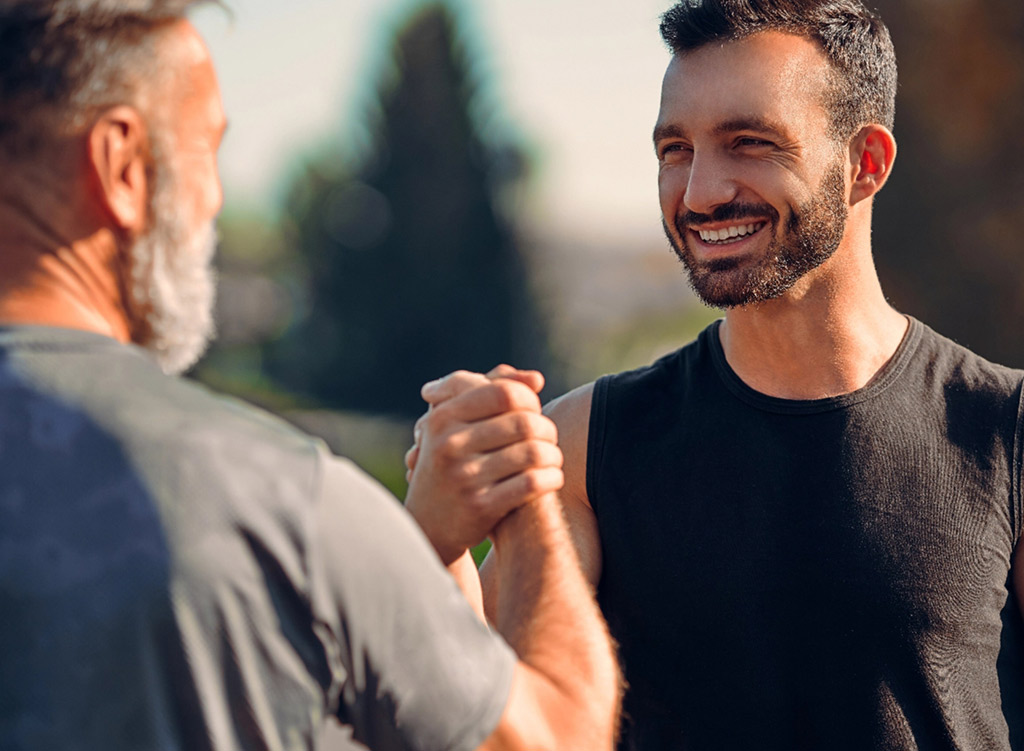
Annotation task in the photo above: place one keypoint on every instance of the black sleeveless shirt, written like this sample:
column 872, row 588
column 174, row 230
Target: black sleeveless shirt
column 826, row 574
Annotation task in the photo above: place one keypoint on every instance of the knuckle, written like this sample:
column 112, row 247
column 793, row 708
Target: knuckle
column 531, row 482
column 466, row 473
column 438, row 419
column 536, row 455
column 504, row 395
column 548, row 428
column 523, row 426
column 449, row 448
column 479, row 504
column 501, row 371
column 539, row 481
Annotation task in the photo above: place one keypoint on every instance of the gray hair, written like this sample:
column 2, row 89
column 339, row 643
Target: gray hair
column 62, row 62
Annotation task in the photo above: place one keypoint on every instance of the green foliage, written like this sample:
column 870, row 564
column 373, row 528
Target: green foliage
column 480, row 552
column 413, row 270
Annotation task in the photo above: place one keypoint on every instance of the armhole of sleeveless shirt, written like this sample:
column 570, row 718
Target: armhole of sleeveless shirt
column 1017, row 502
column 596, row 438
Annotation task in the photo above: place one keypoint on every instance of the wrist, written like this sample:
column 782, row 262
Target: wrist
column 434, row 530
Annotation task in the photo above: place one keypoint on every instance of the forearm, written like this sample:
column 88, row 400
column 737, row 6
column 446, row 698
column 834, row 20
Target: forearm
column 545, row 609
column 463, row 570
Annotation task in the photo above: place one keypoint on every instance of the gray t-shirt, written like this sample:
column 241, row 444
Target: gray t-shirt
column 179, row 570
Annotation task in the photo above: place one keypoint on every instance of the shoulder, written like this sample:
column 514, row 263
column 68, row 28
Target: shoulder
column 961, row 370
column 186, row 445
column 571, row 415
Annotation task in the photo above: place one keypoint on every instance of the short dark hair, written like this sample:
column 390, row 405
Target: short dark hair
column 63, row 62
column 853, row 38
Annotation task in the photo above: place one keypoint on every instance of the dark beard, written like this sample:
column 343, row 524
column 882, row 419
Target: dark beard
column 812, row 235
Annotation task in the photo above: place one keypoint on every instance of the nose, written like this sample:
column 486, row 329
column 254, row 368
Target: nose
column 708, row 184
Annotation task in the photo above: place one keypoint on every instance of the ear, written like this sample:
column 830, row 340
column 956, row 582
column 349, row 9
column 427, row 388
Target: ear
column 872, row 153
column 118, row 156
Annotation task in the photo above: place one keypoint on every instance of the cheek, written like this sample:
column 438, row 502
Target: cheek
column 203, row 182
column 672, row 182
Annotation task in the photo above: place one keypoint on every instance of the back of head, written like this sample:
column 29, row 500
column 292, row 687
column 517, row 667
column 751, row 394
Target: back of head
column 64, row 61
column 854, row 40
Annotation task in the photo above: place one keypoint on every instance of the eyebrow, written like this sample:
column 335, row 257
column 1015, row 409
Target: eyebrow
column 667, row 131
column 752, row 122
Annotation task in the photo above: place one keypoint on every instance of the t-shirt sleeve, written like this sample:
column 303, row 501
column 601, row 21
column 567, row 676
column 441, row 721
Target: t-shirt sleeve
column 413, row 666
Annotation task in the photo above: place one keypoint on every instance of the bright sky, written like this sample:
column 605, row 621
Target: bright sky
column 579, row 81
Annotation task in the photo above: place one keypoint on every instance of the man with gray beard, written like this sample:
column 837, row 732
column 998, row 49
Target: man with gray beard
column 181, row 571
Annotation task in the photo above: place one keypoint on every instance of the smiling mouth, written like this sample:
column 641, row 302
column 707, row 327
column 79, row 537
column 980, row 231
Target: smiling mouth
column 727, row 235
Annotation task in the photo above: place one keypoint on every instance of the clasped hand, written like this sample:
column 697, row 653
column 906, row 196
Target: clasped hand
column 481, row 450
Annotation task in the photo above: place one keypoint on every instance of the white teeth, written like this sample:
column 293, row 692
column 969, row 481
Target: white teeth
column 728, row 233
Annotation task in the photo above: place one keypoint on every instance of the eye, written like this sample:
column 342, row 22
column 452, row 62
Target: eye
column 672, row 151
column 753, row 141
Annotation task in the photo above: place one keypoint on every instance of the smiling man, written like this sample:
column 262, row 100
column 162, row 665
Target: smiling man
column 802, row 526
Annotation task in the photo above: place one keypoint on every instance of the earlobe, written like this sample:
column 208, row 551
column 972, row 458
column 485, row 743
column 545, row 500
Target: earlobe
column 872, row 152
column 118, row 156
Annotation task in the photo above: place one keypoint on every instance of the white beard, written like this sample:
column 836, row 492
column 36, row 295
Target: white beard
column 173, row 282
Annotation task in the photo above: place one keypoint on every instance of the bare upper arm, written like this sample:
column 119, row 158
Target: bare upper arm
column 571, row 415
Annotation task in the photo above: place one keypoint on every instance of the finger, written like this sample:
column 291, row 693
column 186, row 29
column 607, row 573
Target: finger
column 485, row 436
column 525, row 456
column 451, row 386
column 531, row 378
column 488, row 400
column 411, row 457
column 523, row 488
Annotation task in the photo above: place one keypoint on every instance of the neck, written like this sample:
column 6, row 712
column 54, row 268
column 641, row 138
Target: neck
column 830, row 335
column 50, row 277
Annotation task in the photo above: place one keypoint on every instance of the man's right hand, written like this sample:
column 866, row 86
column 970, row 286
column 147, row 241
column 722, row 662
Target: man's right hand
column 482, row 450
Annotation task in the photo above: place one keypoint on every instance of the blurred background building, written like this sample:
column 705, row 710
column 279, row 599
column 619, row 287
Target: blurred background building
column 414, row 187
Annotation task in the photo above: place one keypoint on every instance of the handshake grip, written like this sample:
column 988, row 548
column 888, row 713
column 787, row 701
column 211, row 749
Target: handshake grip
column 482, row 450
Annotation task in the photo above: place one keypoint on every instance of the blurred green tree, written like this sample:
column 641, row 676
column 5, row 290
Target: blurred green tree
column 413, row 265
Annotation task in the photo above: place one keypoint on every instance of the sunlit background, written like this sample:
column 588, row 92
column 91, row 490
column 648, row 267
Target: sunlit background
column 418, row 186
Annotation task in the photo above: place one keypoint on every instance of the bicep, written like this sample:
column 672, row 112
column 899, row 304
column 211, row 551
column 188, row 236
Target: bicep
column 571, row 415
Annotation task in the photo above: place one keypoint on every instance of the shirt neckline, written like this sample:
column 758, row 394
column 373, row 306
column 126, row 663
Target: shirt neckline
column 885, row 377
